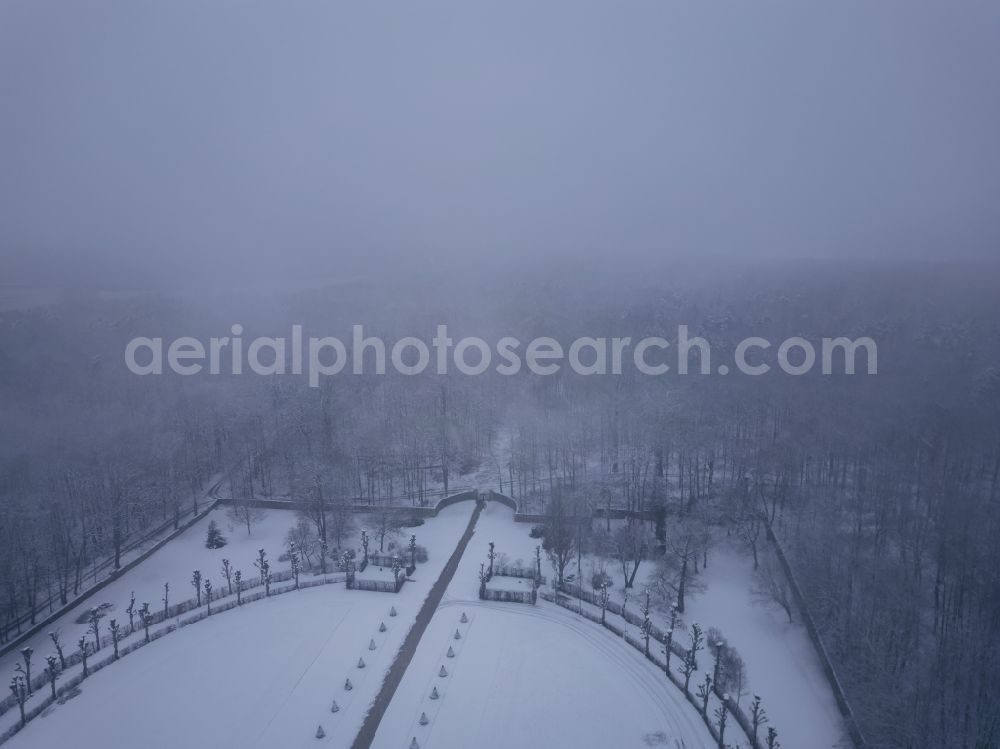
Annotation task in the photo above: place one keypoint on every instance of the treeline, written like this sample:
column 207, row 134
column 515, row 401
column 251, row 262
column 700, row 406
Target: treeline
column 93, row 458
column 883, row 489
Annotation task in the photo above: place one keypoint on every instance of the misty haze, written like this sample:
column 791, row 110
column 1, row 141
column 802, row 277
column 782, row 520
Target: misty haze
column 554, row 375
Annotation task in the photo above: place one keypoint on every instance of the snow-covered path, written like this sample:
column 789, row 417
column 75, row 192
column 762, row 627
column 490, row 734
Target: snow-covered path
column 529, row 675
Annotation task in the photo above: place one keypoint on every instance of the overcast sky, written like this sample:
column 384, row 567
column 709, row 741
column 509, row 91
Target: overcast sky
column 159, row 140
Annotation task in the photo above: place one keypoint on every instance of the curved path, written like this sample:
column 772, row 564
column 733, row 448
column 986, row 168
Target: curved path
column 395, row 675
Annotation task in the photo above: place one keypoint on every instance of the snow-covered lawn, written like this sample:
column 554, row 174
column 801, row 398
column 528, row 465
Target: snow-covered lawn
column 373, row 572
column 500, row 582
column 526, row 676
column 262, row 675
column 172, row 564
column 782, row 666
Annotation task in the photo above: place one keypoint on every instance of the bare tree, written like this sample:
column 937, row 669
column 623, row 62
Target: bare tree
column 242, row 511
column 52, row 672
column 771, row 586
column 697, row 643
column 84, row 653
column 387, row 526
column 264, row 568
column 54, row 636
column 146, row 618
column 630, row 544
column 20, row 694
column 675, row 575
column 604, row 597
column 704, row 692
column 130, row 610
column 115, row 634
column 26, row 654
column 749, row 524
column 772, row 738
column 758, row 717
column 560, row 536
column 721, row 715
column 95, row 627
column 303, row 536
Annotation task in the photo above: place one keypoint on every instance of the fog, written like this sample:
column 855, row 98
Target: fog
column 169, row 144
column 704, row 294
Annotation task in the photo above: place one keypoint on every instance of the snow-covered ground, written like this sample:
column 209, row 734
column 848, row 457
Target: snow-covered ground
column 782, row 666
column 173, row 564
column 372, row 572
column 518, row 584
column 529, row 676
column 526, row 676
column 261, row 676
column 264, row 675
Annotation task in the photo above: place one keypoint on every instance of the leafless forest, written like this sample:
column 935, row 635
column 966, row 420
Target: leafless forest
column 883, row 490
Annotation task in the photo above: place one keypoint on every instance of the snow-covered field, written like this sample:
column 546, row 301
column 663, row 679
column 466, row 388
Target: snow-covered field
column 173, row 564
column 377, row 573
column 261, row 676
column 526, row 676
column 782, row 666
column 510, row 583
